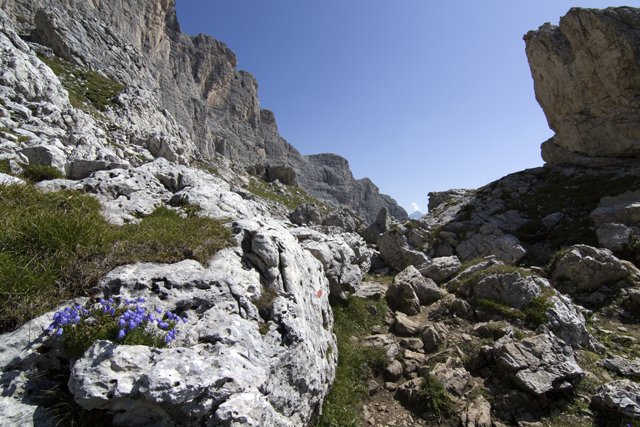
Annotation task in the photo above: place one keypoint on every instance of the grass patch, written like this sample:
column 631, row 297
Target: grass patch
column 5, row 167
column 536, row 311
column 434, row 399
column 356, row 363
column 55, row 246
column 38, row 173
column 291, row 197
column 500, row 309
column 88, row 90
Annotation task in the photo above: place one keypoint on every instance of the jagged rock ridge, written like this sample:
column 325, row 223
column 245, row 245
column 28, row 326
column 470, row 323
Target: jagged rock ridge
column 195, row 80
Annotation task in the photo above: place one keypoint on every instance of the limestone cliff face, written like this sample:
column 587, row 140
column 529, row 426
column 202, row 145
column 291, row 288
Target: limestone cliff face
column 195, row 79
column 586, row 73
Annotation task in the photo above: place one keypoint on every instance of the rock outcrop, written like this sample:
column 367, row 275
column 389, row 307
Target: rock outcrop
column 216, row 105
column 586, row 78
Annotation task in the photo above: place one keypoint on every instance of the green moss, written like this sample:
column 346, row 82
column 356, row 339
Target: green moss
column 536, row 311
column 88, row 90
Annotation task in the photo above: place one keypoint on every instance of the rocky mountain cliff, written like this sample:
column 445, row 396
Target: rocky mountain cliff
column 194, row 78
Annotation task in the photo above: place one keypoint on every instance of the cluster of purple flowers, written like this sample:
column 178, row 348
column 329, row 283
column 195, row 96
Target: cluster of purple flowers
column 69, row 315
column 129, row 320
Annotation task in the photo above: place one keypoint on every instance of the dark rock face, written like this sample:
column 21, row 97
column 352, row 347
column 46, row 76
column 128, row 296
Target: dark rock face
column 196, row 81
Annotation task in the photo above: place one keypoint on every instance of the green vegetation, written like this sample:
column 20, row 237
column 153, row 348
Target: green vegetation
column 434, row 399
column 342, row 408
column 576, row 196
column 533, row 314
column 5, row 167
column 37, row 173
column 88, row 90
column 536, row 311
column 54, row 246
column 500, row 309
column 473, row 279
column 291, row 196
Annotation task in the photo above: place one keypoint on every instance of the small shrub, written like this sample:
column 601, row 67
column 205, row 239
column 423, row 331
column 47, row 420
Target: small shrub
column 38, row 173
column 434, row 399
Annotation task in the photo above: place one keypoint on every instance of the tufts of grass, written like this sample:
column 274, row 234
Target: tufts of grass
column 500, row 309
column 55, row 246
column 59, row 402
column 38, row 173
column 536, row 311
column 88, row 90
column 292, row 197
column 434, row 399
column 356, row 363
column 5, row 167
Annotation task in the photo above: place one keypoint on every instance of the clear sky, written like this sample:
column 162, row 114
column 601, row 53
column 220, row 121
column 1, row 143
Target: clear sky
column 418, row 95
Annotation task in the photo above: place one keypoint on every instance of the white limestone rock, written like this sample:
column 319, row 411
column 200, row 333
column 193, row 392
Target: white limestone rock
column 589, row 268
column 441, row 269
column 510, row 289
column 539, row 364
column 621, row 396
column 490, row 240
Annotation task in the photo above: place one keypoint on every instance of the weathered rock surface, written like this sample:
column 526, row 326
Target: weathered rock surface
column 624, row 367
column 589, row 268
column 622, row 396
column 510, row 289
column 344, row 257
column 441, row 269
column 539, row 364
column 396, row 250
column 410, row 289
column 585, row 74
column 490, row 240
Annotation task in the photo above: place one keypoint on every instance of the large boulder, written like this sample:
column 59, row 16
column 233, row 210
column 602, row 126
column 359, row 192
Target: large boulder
column 345, row 258
column 396, row 250
column 306, row 214
column 623, row 208
column 441, row 269
column 622, row 396
column 588, row 268
column 586, row 78
column 539, row 364
column 510, row 289
column 383, row 223
column 345, row 218
column 410, row 289
column 490, row 240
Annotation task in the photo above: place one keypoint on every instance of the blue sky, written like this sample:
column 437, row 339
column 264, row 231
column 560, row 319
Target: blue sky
column 418, row 96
